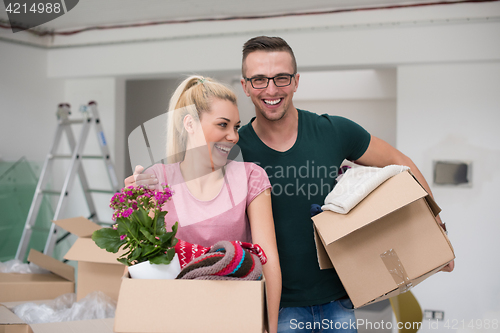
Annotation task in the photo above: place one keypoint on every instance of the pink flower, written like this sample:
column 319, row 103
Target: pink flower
column 122, row 237
column 127, row 212
column 115, row 226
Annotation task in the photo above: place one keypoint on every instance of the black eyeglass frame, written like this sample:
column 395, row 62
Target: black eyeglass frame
column 268, row 79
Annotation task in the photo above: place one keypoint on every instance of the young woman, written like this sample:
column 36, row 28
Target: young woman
column 215, row 198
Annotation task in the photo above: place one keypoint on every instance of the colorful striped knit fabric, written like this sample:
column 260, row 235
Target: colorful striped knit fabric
column 226, row 260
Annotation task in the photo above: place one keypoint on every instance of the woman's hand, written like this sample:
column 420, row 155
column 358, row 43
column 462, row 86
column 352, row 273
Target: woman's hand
column 139, row 178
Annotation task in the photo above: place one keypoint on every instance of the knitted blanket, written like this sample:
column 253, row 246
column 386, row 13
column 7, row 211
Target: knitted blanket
column 226, row 261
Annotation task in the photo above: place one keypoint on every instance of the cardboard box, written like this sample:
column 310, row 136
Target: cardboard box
column 389, row 242
column 24, row 287
column 189, row 306
column 98, row 270
column 10, row 323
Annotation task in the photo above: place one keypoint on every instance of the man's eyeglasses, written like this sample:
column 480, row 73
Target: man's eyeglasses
column 261, row 82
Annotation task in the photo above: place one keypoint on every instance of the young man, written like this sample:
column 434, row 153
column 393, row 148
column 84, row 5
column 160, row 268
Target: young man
column 301, row 153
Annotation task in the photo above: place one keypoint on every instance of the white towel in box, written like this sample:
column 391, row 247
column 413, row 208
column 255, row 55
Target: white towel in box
column 356, row 184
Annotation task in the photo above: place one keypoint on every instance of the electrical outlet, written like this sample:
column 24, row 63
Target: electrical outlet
column 433, row 314
column 439, row 315
column 428, row 314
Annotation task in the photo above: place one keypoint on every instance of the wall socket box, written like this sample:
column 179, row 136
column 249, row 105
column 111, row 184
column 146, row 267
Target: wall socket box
column 453, row 173
column 433, row 314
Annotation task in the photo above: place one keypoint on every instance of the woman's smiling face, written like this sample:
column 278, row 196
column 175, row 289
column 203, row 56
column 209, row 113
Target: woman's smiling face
column 220, row 130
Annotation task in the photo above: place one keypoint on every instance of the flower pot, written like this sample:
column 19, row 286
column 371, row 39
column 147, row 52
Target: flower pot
column 147, row 270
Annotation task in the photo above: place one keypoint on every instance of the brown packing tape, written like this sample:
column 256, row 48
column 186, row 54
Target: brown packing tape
column 396, row 269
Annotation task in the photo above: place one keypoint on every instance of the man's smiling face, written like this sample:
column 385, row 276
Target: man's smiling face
column 271, row 102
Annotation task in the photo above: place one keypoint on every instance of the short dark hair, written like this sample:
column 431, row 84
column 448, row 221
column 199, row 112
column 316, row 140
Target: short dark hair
column 267, row 44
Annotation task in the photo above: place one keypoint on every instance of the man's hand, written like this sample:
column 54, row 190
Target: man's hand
column 139, row 178
column 451, row 265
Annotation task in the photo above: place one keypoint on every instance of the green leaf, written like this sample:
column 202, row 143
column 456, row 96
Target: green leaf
column 124, row 261
column 159, row 260
column 143, row 218
column 135, row 254
column 160, row 227
column 175, row 227
column 123, row 225
column 161, row 215
column 129, row 228
column 149, row 249
column 148, row 236
column 108, row 239
column 167, row 240
column 157, row 252
column 170, row 254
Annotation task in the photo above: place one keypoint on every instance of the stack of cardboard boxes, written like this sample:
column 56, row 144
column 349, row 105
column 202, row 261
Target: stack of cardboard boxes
column 98, row 270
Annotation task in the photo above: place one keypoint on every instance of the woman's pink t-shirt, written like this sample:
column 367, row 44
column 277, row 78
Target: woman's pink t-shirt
column 222, row 218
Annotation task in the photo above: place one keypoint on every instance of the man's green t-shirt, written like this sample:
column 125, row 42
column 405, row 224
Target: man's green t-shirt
column 302, row 176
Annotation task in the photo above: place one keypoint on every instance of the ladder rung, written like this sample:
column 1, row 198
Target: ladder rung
column 105, row 223
column 84, row 156
column 74, row 121
column 101, row 191
column 36, row 228
column 93, row 156
column 51, row 192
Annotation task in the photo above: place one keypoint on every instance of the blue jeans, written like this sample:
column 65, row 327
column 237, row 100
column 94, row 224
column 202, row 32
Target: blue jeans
column 336, row 316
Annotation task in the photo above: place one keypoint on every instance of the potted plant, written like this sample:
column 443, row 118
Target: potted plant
column 140, row 230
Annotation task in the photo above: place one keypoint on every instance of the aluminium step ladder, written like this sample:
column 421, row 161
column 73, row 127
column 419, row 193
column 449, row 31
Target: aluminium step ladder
column 90, row 116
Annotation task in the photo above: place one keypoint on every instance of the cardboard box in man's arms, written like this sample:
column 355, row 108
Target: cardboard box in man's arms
column 388, row 243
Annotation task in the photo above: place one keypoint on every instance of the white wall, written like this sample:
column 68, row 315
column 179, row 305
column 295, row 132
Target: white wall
column 145, row 99
column 367, row 97
column 28, row 103
column 452, row 112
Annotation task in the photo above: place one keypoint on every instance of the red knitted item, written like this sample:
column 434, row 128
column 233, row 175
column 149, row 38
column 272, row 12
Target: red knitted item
column 255, row 249
column 187, row 252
